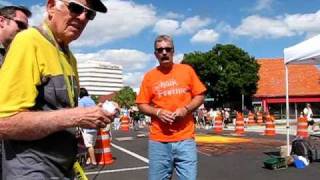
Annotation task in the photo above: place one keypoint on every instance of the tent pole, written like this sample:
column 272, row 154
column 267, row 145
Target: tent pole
column 287, row 111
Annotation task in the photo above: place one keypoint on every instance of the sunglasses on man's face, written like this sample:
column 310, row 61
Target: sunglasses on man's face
column 78, row 9
column 21, row 25
column 168, row 49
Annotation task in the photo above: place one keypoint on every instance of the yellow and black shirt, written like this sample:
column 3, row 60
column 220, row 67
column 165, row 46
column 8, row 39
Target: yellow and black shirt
column 33, row 77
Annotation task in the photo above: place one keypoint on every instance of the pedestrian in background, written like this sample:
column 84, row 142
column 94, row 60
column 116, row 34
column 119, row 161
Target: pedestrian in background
column 89, row 134
column 13, row 19
column 39, row 94
column 136, row 119
column 116, row 123
column 212, row 116
column 226, row 118
column 170, row 93
column 307, row 111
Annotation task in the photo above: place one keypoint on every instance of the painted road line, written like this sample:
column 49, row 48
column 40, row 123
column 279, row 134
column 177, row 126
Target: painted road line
column 207, row 154
column 131, row 153
column 124, row 138
column 117, row 170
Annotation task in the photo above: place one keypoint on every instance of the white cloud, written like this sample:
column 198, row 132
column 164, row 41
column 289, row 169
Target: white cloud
column 191, row 25
column 263, row 5
column 205, row 36
column 173, row 15
column 38, row 14
column 174, row 27
column 282, row 26
column 261, row 27
column 178, row 58
column 124, row 19
column 133, row 80
column 166, row 26
column 129, row 59
column 309, row 23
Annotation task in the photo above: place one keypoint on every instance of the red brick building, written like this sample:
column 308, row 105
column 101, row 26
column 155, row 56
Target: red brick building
column 304, row 86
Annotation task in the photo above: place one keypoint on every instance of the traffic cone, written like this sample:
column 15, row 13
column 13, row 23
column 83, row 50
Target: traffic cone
column 251, row 119
column 302, row 127
column 103, row 147
column 124, row 123
column 239, row 124
column 218, row 124
column 270, row 127
column 259, row 118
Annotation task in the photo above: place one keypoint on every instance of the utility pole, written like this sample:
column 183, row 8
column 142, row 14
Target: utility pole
column 242, row 102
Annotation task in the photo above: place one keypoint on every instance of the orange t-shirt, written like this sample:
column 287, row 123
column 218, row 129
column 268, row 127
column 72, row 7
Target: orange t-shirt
column 170, row 91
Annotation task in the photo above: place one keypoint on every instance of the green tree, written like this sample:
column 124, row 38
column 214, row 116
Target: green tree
column 125, row 97
column 228, row 72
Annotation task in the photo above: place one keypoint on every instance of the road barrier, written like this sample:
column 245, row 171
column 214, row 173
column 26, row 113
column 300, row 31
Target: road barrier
column 270, row 126
column 218, row 124
column 302, row 127
column 239, row 124
column 103, row 147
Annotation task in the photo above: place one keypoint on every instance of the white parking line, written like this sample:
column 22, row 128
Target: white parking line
column 207, row 154
column 131, row 153
column 117, row 170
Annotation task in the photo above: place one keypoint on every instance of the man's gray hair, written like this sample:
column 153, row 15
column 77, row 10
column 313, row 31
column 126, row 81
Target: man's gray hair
column 161, row 38
column 58, row 4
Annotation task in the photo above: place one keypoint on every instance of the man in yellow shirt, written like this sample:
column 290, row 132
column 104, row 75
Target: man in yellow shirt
column 39, row 92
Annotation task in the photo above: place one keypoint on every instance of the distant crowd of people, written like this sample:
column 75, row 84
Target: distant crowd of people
column 206, row 119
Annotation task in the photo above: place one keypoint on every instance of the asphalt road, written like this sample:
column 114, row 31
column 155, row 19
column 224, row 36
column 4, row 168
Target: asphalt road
column 221, row 157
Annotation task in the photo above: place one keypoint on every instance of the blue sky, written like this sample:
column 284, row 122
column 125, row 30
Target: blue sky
column 126, row 33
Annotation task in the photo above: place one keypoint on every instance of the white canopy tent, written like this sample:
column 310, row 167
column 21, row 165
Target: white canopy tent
column 306, row 52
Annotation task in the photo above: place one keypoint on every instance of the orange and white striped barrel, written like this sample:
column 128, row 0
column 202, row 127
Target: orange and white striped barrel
column 259, row 118
column 251, row 119
column 302, row 127
column 218, row 124
column 239, row 124
column 103, row 147
column 270, row 126
column 124, row 123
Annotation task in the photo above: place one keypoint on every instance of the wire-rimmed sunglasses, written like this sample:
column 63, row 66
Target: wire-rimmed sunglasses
column 168, row 49
column 77, row 8
column 21, row 25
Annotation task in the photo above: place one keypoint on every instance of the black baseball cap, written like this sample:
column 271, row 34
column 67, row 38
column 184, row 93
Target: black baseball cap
column 97, row 5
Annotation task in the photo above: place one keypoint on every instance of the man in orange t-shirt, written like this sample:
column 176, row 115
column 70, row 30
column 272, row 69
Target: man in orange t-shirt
column 169, row 93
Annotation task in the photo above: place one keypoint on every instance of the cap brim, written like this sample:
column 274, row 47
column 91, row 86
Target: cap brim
column 97, row 5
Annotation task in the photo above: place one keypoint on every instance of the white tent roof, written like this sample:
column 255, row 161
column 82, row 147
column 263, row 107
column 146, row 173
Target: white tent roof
column 306, row 52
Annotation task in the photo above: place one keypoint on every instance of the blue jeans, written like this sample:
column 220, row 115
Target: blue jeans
column 165, row 156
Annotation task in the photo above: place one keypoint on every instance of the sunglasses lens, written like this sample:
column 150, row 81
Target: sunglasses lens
column 160, row 50
column 78, row 9
column 21, row 25
column 90, row 15
column 75, row 8
column 168, row 49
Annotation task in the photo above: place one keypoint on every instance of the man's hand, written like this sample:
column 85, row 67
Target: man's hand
column 180, row 113
column 92, row 117
column 165, row 116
